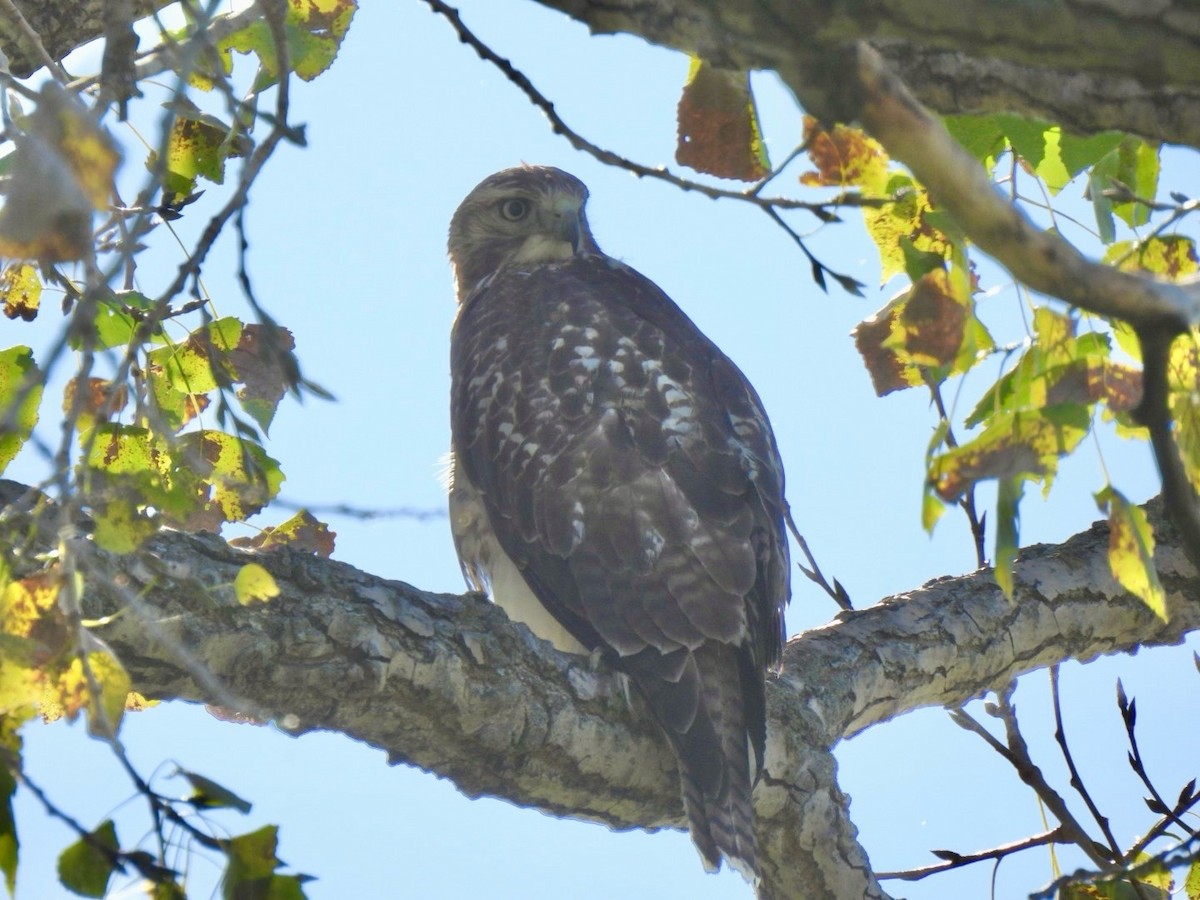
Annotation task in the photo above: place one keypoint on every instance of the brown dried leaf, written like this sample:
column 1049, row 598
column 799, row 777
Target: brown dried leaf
column 718, row 125
column 62, row 171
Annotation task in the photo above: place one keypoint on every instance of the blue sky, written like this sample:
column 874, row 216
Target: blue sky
column 348, row 250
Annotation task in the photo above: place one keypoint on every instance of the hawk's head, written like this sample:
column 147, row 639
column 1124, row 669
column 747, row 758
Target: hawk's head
column 530, row 214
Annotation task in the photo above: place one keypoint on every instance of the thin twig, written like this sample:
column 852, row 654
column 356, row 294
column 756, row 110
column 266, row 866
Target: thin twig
column 1016, row 752
column 814, row 573
column 967, row 503
column 1060, row 735
column 954, row 860
column 608, row 157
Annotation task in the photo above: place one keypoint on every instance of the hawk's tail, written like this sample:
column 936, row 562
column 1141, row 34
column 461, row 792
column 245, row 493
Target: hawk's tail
column 719, row 804
column 701, row 708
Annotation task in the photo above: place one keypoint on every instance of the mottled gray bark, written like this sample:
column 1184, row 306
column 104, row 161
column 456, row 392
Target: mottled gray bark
column 1089, row 65
column 446, row 683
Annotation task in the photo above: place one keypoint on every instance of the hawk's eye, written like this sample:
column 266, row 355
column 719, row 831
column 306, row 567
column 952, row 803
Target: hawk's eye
column 514, row 209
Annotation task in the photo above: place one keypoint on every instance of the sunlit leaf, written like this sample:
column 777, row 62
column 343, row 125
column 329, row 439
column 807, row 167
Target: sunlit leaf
column 207, row 794
column 844, row 157
column 72, row 692
column 254, row 584
column 199, row 364
column 21, row 291
column 1131, row 549
column 1138, row 170
column 85, row 868
column 920, row 336
column 1183, row 400
column 719, row 132
column 1191, row 884
column 1008, row 530
column 1013, row 443
column 1060, row 367
column 1133, row 164
column 198, row 145
column 314, row 29
column 1171, row 257
column 302, row 532
column 241, row 477
column 20, row 394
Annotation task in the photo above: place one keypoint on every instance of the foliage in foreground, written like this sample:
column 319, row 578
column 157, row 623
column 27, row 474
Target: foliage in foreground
column 165, row 415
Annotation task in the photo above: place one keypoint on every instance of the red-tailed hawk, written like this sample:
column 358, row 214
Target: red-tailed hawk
column 616, row 484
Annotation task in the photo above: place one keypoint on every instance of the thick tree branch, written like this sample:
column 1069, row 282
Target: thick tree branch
column 1129, row 65
column 447, row 684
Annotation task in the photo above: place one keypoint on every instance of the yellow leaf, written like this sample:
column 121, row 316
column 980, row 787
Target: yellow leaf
column 21, row 291
column 1131, row 550
column 254, row 583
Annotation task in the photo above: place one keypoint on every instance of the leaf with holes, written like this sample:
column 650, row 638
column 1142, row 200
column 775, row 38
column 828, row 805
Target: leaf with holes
column 719, row 132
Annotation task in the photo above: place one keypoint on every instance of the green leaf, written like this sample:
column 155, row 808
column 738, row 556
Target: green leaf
column 981, row 136
column 251, row 871
column 207, row 794
column 1008, row 527
column 254, row 584
column 1135, row 164
column 1020, row 443
column 1131, row 550
column 9, row 845
column 84, row 868
column 243, row 478
column 1183, row 386
column 1170, row 256
column 1027, row 137
column 1079, row 153
column 932, row 507
column 1191, row 884
column 315, row 30
column 1099, row 180
column 198, row 145
column 1138, row 169
column 114, row 326
column 20, row 394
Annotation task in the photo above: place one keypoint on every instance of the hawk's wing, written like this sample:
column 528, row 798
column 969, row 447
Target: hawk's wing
column 628, row 470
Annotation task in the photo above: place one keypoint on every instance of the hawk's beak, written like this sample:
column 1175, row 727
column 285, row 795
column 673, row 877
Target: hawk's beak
column 568, row 225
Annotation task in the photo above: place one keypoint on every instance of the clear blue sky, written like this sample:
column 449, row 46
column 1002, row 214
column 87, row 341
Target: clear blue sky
column 348, row 250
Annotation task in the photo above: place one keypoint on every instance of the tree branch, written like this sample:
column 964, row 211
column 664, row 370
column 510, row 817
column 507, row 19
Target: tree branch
column 446, row 683
column 1122, row 64
column 1089, row 66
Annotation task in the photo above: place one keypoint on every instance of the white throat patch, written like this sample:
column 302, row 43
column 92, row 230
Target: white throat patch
column 543, row 248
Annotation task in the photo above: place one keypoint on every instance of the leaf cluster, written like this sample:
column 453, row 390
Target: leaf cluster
column 163, row 421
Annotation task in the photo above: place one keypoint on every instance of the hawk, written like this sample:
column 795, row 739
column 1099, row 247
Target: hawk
column 616, row 485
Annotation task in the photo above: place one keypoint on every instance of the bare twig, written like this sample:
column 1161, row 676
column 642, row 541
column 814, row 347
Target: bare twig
column 1060, row 735
column 813, row 572
column 954, row 860
column 1016, row 752
column 823, row 211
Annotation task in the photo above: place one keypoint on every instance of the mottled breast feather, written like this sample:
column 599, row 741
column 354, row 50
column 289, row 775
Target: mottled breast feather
column 628, row 470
